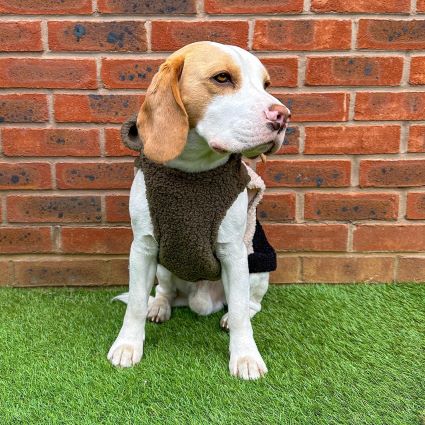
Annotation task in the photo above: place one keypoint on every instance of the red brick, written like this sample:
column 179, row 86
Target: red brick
column 101, row 108
column 119, row 36
column 114, row 146
column 18, row 240
column 295, row 173
column 96, row 240
column 23, row 108
column 417, row 138
column 354, row 71
column 20, row 37
column 291, row 142
column 417, row 70
column 396, row 173
column 288, row 270
column 118, row 274
column 22, row 175
column 55, row 209
column 117, row 208
column 302, row 34
column 48, row 73
column 61, row 272
column 316, row 106
column 50, row 142
column 382, row 238
column 277, row 207
column 157, row 7
column 411, row 269
column 5, row 275
column 360, row 6
column 172, row 35
column 46, row 7
column 252, row 6
column 94, row 175
column 283, row 71
column 391, row 34
column 129, row 73
column 347, row 269
column 350, row 206
column 420, row 5
column 415, row 206
column 390, row 106
column 307, row 237
column 352, row 140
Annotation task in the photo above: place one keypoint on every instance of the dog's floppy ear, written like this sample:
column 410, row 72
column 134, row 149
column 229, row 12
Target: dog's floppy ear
column 162, row 121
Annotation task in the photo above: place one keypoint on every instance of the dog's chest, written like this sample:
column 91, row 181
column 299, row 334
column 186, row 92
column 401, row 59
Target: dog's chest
column 186, row 211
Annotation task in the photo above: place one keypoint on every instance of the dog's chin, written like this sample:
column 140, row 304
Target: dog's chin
column 250, row 151
column 266, row 149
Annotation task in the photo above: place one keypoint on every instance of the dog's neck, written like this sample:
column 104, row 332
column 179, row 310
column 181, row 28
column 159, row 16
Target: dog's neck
column 197, row 156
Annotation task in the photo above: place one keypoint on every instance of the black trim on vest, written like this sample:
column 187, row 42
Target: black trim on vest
column 263, row 259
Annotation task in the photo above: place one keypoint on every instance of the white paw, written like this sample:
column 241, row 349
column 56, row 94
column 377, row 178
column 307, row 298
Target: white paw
column 247, row 366
column 124, row 353
column 224, row 322
column 159, row 310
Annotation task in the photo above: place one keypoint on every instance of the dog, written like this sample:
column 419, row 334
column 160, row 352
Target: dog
column 207, row 103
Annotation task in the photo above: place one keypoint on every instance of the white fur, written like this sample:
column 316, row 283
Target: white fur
column 236, row 123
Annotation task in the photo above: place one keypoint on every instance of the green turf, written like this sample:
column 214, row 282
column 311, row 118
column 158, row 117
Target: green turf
column 336, row 355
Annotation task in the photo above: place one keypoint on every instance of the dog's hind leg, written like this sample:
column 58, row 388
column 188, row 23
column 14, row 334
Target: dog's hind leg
column 159, row 307
column 206, row 297
column 258, row 285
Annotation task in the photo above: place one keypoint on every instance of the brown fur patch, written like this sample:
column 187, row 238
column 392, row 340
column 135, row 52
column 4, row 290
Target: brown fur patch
column 178, row 96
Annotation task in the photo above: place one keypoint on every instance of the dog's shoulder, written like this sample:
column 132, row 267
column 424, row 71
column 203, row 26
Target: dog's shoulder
column 233, row 226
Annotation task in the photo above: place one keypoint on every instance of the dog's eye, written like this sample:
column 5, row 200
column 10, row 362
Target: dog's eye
column 223, row 77
column 266, row 84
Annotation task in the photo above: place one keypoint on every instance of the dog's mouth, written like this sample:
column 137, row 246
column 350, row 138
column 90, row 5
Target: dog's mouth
column 265, row 148
column 219, row 149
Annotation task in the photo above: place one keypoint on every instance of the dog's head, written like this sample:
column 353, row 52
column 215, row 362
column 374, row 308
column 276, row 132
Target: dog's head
column 220, row 92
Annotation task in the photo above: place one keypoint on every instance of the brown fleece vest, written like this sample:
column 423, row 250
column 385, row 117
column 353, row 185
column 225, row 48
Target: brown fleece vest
column 187, row 210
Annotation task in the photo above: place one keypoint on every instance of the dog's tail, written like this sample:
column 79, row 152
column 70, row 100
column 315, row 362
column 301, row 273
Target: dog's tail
column 121, row 297
column 124, row 298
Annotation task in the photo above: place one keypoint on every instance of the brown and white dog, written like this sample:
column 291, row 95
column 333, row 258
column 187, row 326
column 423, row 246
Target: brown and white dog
column 206, row 102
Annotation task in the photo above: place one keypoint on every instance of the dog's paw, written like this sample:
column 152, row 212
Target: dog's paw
column 224, row 323
column 159, row 310
column 247, row 366
column 125, row 353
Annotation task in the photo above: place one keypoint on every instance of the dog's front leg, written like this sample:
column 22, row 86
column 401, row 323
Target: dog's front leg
column 127, row 350
column 245, row 359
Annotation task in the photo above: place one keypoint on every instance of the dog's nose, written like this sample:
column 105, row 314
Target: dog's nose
column 278, row 116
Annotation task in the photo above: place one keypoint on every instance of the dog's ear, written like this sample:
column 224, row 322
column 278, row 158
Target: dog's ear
column 162, row 121
column 129, row 134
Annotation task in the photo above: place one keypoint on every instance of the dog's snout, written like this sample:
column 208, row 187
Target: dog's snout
column 278, row 116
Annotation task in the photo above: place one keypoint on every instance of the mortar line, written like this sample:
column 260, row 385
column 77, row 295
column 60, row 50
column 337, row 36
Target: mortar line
column 200, row 9
column 44, row 37
column 413, row 5
column 299, row 207
column 350, row 237
column 251, row 27
column 396, row 267
column 148, row 27
column 302, row 68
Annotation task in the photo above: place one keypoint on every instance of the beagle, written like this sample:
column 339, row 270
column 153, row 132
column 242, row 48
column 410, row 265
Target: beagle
column 207, row 103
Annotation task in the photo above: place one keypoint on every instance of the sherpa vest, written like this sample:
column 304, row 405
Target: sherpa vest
column 186, row 211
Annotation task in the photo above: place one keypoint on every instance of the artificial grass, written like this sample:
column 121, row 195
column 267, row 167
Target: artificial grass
column 338, row 355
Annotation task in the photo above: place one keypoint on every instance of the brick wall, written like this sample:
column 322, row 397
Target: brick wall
column 346, row 200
